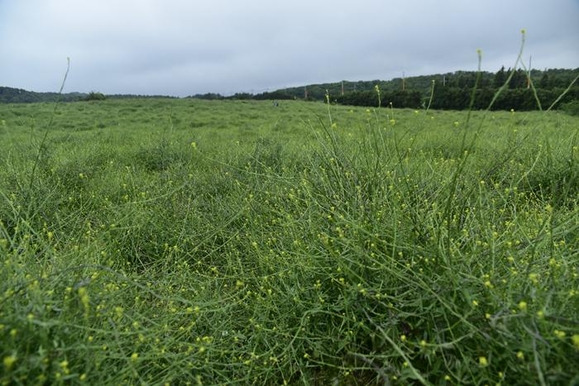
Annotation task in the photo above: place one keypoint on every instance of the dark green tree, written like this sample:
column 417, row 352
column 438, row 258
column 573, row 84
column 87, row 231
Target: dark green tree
column 518, row 80
column 545, row 82
column 95, row 96
column 500, row 78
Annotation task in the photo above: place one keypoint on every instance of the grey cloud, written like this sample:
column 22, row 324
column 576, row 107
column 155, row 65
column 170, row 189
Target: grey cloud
column 185, row 47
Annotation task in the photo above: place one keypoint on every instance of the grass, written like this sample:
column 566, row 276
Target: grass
column 205, row 242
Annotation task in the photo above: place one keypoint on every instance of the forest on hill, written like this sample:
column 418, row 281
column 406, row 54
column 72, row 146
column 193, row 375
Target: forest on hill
column 17, row 95
column 520, row 90
column 450, row 91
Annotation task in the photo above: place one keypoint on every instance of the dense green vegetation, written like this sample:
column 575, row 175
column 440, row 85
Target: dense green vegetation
column 17, row 95
column 544, row 79
column 453, row 91
column 520, row 90
column 158, row 241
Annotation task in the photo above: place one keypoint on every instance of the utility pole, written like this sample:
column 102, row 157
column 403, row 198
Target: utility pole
column 403, row 81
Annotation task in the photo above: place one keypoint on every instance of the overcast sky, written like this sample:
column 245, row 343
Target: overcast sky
column 180, row 47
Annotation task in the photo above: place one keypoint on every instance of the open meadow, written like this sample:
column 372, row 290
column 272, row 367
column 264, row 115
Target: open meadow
column 159, row 241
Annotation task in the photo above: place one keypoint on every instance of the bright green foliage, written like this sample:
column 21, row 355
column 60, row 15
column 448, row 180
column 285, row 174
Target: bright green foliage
column 234, row 242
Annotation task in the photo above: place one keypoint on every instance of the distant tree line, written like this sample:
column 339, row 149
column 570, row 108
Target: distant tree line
column 16, row 95
column 270, row 95
column 520, row 90
column 452, row 91
column 453, row 98
column 523, row 91
column 133, row 96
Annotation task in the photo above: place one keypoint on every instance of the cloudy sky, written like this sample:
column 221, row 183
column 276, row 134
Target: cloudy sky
column 185, row 47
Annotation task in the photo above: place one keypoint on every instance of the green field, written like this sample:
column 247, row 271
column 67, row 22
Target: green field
column 151, row 241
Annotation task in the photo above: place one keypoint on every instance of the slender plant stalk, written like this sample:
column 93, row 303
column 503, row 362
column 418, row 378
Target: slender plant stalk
column 47, row 129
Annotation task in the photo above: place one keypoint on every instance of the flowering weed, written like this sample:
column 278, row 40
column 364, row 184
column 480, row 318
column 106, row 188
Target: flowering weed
column 243, row 244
